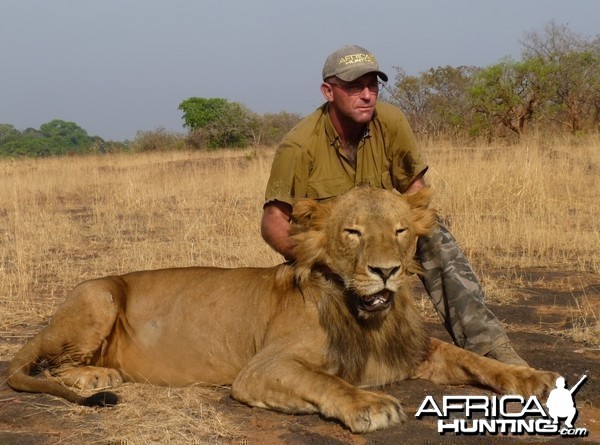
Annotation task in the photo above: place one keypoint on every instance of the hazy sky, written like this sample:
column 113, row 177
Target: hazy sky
column 118, row 66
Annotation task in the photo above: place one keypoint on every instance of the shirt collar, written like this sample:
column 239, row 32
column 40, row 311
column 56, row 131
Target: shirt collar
column 332, row 134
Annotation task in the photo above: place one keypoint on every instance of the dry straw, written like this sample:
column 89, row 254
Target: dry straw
column 65, row 220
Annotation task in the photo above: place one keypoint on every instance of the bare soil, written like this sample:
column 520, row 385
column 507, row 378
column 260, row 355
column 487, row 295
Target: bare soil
column 546, row 305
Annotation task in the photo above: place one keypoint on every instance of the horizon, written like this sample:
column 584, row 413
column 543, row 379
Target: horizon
column 116, row 69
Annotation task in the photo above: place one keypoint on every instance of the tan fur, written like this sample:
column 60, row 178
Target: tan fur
column 298, row 338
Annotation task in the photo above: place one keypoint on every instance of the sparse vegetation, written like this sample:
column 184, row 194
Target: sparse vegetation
column 64, row 220
column 554, row 88
column 158, row 202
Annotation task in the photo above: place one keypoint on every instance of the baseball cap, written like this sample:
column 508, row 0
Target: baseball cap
column 350, row 62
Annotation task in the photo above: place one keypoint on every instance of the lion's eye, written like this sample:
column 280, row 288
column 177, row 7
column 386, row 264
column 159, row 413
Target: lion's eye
column 400, row 231
column 353, row 232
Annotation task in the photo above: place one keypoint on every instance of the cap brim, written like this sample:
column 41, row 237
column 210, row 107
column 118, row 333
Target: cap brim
column 354, row 74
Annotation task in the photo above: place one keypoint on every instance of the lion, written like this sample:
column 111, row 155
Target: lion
column 305, row 337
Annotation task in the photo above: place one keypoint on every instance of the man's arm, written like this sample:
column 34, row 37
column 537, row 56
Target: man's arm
column 275, row 227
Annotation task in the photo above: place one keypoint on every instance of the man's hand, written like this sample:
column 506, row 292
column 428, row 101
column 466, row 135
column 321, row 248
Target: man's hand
column 275, row 227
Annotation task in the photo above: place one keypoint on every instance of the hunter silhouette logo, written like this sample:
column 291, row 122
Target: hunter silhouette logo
column 509, row 414
column 561, row 403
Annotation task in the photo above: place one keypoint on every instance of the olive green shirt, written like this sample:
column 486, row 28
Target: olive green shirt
column 310, row 162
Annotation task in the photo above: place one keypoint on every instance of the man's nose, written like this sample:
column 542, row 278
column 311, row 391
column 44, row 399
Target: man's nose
column 365, row 93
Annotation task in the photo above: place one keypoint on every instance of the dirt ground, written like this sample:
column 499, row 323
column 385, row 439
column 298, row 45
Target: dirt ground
column 545, row 306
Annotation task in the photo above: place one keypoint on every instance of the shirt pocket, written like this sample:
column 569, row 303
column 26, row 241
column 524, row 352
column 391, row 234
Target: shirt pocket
column 328, row 188
column 383, row 180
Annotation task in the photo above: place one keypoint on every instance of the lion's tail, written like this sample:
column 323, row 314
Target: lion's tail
column 19, row 378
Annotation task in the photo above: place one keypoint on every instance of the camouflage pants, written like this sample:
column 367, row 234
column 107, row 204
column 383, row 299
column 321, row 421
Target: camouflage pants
column 456, row 294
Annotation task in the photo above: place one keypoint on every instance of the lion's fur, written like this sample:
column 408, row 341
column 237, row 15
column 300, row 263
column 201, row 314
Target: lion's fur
column 397, row 341
column 295, row 337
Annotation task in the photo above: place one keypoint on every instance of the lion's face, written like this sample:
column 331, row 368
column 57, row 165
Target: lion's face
column 367, row 238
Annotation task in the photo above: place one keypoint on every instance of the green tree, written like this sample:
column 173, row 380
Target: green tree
column 236, row 127
column 273, row 127
column 66, row 136
column 199, row 112
column 572, row 74
column 217, row 123
column 7, row 133
column 56, row 137
column 435, row 102
column 411, row 95
column 449, row 106
column 509, row 93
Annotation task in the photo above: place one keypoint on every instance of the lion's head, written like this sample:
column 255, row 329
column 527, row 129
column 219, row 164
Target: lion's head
column 366, row 238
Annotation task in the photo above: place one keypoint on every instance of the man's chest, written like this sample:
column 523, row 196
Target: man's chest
column 334, row 171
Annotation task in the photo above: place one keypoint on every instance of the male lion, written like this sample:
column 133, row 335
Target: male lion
column 298, row 338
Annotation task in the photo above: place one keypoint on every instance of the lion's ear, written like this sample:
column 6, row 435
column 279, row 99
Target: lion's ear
column 308, row 232
column 309, row 214
column 303, row 212
column 420, row 199
column 424, row 216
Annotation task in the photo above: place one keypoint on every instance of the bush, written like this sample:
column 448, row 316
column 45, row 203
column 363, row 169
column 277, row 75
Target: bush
column 157, row 140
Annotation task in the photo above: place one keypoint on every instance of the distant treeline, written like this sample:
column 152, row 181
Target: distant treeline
column 56, row 137
column 233, row 126
column 554, row 88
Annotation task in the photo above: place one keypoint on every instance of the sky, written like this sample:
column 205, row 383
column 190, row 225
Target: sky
column 116, row 67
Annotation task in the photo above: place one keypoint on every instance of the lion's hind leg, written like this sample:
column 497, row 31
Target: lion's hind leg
column 287, row 384
column 72, row 343
column 77, row 336
column 89, row 377
column 450, row 365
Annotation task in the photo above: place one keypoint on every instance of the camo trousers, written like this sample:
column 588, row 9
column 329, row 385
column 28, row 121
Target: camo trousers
column 456, row 294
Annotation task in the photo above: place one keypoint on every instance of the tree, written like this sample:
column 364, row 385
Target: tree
column 235, row 127
column 508, row 93
column 218, row 123
column 65, row 134
column 8, row 132
column 572, row 66
column 199, row 112
column 410, row 94
column 53, row 138
column 435, row 102
column 448, row 102
column 273, row 127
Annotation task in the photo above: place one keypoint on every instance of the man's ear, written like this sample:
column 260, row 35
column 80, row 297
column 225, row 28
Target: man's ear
column 326, row 90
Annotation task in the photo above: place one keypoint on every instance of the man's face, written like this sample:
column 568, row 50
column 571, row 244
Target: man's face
column 354, row 101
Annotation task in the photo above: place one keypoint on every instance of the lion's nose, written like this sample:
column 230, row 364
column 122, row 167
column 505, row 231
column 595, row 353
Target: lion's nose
column 384, row 272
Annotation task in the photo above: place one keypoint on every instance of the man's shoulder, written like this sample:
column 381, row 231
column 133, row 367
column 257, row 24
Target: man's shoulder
column 386, row 111
column 309, row 126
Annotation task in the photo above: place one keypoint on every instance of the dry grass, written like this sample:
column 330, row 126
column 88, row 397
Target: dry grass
column 524, row 205
column 69, row 219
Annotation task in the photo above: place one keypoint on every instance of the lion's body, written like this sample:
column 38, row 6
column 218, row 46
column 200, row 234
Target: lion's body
column 297, row 338
column 169, row 316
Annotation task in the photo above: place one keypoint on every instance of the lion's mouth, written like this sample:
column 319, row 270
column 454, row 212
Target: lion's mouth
column 377, row 301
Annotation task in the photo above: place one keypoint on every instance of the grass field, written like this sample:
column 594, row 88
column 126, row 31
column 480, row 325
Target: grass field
column 64, row 220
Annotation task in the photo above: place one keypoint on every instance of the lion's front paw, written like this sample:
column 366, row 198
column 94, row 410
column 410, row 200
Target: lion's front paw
column 370, row 411
column 529, row 382
column 541, row 383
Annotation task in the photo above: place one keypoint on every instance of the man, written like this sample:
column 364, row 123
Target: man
column 353, row 139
